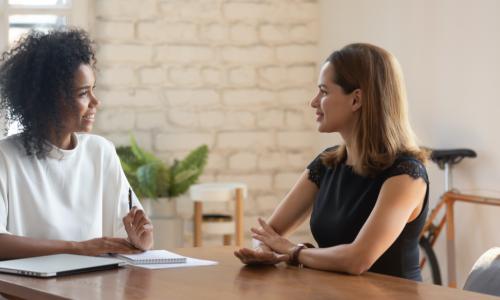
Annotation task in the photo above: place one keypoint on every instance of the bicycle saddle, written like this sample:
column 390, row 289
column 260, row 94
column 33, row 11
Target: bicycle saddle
column 451, row 156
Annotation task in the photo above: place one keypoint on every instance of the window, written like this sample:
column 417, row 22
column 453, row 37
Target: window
column 19, row 16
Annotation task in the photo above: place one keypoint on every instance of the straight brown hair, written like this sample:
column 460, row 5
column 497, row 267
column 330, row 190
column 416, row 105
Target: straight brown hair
column 382, row 132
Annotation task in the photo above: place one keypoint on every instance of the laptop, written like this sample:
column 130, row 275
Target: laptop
column 58, row 265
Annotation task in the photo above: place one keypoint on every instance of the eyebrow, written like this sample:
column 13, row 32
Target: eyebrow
column 83, row 87
column 322, row 86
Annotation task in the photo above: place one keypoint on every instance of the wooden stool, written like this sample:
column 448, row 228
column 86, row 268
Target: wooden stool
column 218, row 223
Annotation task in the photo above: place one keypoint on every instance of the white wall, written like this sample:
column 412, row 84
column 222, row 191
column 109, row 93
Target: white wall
column 449, row 51
column 235, row 75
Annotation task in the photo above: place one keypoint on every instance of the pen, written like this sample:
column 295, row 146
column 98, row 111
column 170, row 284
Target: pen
column 129, row 198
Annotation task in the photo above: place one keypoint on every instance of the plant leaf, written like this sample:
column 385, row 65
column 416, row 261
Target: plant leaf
column 147, row 177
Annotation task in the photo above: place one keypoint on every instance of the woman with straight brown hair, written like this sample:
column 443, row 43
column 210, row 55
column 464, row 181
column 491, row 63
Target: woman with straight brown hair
column 367, row 198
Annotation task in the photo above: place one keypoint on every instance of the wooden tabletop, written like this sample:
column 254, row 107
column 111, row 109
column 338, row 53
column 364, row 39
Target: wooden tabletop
column 227, row 280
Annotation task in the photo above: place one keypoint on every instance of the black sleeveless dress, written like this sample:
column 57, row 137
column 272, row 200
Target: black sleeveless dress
column 344, row 202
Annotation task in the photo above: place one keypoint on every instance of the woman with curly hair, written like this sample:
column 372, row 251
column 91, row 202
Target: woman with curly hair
column 62, row 190
column 367, row 198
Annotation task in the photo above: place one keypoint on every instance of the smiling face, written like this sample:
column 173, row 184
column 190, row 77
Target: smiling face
column 335, row 110
column 81, row 117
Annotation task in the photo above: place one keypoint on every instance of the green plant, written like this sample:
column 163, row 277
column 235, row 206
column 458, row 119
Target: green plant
column 150, row 177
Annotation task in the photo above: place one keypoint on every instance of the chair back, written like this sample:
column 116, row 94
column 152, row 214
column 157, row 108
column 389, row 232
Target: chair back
column 485, row 274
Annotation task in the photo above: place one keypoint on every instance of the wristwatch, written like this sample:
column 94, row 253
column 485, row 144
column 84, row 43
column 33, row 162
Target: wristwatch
column 294, row 257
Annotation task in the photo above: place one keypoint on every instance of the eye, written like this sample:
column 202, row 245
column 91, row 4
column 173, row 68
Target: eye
column 83, row 93
column 323, row 92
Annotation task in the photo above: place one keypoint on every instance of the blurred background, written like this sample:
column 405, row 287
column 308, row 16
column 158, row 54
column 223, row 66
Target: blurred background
column 237, row 75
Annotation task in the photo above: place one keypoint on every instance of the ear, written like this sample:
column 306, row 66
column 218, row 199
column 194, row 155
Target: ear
column 356, row 100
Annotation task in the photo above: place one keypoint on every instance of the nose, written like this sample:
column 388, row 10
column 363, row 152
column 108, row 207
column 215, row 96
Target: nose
column 314, row 101
column 94, row 102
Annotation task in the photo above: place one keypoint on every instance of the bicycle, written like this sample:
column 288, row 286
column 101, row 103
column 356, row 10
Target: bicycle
column 446, row 159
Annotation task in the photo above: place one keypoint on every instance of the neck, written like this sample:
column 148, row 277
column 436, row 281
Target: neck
column 64, row 141
column 352, row 152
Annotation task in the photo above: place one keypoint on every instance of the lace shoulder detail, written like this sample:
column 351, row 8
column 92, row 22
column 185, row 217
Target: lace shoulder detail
column 408, row 166
column 317, row 169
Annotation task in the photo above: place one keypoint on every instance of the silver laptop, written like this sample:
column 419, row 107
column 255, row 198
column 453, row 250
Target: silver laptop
column 58, row 265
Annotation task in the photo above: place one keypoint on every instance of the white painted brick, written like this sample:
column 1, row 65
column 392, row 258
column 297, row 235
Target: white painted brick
column 243, row 161
column 274, row 34
column 285, row 181
column 115, row 120
column 153, row 75
column 239, row 120
column 245, row 140
column 242, row 76
column 214, row 32
column 273, row 161
column 183, row 118
column 266, row 204
column 211, row 119
column 242, row 55
column 193, row 98
column 134, row 98
column 151, row 120
column 183, row 76
column 301, row 75
column 272, row 76
column 130, row 9
column 248, row 97
column 297, row 54
column 243, row 34
column 206, row 177
column 255, row 182
column 304, row 33
column 212, row 76
column 182, row 141
column 297, row 98
column 241, row 11
column 300, row 160
column 143, row 139
column 200, row 10
column 271, row 119
column 116, row 76
column 296, row 120
column 167, row 32
column 216, row 162
column 106, row 30
column 296, row 139
column 184, row 54
column 115, row 53
column 300, row 11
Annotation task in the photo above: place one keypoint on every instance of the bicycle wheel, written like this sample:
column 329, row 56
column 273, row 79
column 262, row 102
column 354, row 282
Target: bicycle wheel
column 430, row 270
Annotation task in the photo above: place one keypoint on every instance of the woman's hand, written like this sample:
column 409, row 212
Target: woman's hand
column 105, row 245
column 260, row 255
column 139, row 229
column 273, row 240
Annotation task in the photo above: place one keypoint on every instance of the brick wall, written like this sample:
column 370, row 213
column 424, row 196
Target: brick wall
column 235, row 75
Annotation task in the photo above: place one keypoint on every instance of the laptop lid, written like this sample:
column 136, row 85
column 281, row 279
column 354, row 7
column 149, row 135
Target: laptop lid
column 58, row 264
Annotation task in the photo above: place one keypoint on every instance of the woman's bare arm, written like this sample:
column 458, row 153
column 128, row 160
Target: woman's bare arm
column 295, row 207
column 400, row 200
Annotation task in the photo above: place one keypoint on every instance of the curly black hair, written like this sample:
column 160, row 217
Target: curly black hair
column 37, row 82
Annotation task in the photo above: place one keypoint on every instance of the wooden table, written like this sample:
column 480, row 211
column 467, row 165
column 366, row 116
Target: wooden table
column 227, row 280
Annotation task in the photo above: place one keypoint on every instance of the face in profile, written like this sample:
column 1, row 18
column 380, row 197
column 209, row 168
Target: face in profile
column 81, row 118
column 335, row 110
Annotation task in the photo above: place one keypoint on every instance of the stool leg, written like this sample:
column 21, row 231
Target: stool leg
column 239, row 217
column 198, row 220
column 227, row 239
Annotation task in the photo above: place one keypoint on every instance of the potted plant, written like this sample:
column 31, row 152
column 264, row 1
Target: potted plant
column 156, row 182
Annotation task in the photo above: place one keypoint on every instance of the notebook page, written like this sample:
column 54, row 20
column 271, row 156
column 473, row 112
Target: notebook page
column 153, row 257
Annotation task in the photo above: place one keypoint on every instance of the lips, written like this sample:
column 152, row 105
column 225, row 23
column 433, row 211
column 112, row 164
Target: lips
column 319, row 116
column 89, row 117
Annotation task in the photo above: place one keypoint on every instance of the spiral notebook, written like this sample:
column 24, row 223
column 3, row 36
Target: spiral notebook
column 153, row 257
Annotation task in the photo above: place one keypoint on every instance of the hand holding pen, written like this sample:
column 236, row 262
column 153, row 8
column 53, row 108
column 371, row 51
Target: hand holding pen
column 138, row 226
